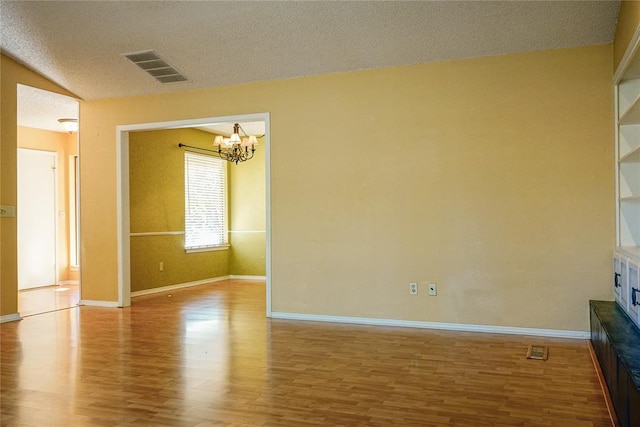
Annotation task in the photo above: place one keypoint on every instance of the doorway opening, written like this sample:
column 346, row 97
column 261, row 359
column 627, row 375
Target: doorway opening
column 124, row 135
column 47, row 216
column 37, row 225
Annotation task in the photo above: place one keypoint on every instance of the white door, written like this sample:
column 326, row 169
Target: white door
column 36, row 215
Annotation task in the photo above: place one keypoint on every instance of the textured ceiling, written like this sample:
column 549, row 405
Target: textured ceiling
column 41, row 109
column 79, row 45
column 226, row 129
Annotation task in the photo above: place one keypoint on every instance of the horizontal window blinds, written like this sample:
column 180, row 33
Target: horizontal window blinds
column 205, row 201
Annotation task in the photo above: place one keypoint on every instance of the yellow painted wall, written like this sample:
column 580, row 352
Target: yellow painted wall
column 12, row 74
column 156, row 185
column 490, row 176
column 64, row 145
column 247, row 216
column 628, row 21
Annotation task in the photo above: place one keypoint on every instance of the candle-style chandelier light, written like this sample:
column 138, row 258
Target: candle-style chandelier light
column 234, row 149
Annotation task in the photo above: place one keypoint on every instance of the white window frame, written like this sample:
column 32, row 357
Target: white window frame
column 205, row 188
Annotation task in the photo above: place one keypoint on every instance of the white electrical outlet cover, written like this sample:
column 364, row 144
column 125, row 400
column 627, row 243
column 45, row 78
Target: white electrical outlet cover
column 7, row 211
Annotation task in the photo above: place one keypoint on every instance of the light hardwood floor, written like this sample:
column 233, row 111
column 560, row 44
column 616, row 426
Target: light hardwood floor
column 48, row 298
column 207, row 356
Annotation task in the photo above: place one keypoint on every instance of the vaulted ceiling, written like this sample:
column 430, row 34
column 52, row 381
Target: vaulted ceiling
column 80, row 44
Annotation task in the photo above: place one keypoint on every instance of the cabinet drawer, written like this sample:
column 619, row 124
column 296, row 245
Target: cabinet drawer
column 634, row 291
column 634, row 405
column 623, row 297
column 617, row 276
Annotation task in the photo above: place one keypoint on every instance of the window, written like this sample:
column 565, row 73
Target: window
column 205, row 191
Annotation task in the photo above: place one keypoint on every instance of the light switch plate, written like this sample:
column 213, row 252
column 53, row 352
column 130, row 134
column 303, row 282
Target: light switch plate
column 7, row 211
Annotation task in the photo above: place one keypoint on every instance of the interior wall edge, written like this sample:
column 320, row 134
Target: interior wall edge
column 10, row 318
column 97, row 303
column 461, row 327
column 178, row 286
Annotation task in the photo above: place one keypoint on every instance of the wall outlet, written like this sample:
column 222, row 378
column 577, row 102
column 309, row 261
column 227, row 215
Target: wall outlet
column 7, row 211
column 413, row 288
column 433, row 289
column 161, row 266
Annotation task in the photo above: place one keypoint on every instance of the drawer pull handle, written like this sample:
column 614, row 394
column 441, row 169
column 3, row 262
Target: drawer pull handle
column 616, row 280
column 634, row 298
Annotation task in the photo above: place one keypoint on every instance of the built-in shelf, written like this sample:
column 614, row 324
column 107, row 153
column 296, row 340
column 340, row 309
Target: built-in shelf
column 631, row 157
column 632, row 115
column 615, row 331
column 632, row 72
column 627, row 81
column 630, row 251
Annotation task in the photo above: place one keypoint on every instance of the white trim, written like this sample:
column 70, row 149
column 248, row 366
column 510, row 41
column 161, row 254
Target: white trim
column 122, row 217
column 69, row 282
column 10, row 317
column 56, row 230
column 267, row 184
column 245, row 277
column 207, row 249
column 72, row 190
column 157, row 233
column 178, row 286
column 247, row 231
column 94, row 303
column 122, row 193
column 626, row 58
column 616, row 165
column 557, row 333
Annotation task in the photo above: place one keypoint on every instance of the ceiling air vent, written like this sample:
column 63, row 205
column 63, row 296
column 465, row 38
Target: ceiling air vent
column 151, row 63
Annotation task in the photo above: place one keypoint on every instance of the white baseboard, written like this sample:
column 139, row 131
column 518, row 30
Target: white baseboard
column 240, row 277
column 178, row 286
column 94, row 303
column 10, row 317
column 69, row 282
column 555, row 333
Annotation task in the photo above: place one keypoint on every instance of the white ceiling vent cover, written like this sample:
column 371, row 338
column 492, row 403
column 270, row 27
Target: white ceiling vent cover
column 151, row 63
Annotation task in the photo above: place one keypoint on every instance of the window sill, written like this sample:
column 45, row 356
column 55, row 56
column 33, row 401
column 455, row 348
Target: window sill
column 207, row 249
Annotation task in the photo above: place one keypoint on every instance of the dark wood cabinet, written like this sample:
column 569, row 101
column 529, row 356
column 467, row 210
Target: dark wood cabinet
column 634, row 405
column 616, row 343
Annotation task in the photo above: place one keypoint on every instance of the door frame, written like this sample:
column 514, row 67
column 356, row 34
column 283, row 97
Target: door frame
column 56, row 219
column 122, row 193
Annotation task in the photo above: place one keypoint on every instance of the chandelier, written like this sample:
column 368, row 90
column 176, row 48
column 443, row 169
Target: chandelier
column 234, row 149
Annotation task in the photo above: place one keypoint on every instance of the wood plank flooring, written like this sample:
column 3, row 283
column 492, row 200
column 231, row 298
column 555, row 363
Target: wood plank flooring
column 207, row 356
column 48, row 298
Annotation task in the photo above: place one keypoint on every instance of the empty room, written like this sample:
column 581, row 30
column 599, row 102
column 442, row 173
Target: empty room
column 319, row 213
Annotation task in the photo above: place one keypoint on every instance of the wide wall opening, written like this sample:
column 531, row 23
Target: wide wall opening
column 159, row 197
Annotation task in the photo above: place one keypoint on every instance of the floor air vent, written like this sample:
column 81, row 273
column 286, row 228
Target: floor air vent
column 537, row 352
column 151, row 63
